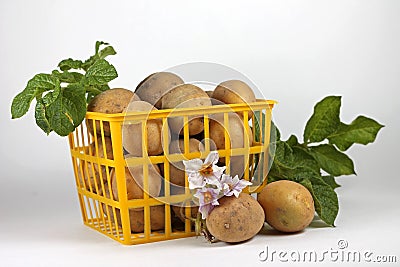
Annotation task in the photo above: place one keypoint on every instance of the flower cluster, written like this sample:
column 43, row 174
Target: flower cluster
column 210, row 183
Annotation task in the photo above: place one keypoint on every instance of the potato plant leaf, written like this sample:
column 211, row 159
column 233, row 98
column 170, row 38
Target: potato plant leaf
column 330, row 180
column 59, row 108
column 100, row 72
column 324, row 121
column 332, row 161
column 362, row 130
column 303, row 162
column 325, row 199
column 68, row 111
column 70, row 63
column 41, row 118
column 36, row 86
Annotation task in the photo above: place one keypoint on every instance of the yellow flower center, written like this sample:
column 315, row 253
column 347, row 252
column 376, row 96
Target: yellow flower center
column 206, row 169
column 207, row 197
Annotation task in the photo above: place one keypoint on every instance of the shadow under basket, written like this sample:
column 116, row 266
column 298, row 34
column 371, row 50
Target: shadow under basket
column 100, row 163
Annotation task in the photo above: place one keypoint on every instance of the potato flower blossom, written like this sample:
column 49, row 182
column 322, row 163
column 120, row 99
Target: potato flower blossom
column 210, row 183
column 201, row 173
column 208, row 198
column 233, row 186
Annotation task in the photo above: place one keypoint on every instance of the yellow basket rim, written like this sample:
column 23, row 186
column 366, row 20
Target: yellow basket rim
column 260, row 103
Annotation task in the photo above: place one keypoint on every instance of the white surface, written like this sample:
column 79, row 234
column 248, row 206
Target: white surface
column 297, row 52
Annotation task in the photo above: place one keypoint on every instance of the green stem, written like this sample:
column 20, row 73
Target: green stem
column 92, row 90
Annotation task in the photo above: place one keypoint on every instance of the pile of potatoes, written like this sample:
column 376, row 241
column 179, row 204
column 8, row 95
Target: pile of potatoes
column 164, row 90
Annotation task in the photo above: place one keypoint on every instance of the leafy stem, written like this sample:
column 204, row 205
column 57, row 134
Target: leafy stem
column 62, row 96
column 326, row 139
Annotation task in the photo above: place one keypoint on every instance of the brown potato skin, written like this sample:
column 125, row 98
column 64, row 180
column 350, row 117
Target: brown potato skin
column 236, row 219
column 180, row 211
column 132, row 133
column 288, row 206
column 237, row 135
column 110, row 101
column 134, row 182
column 234, row 92
column 177, row 169
column 186, row 96
column 92, row 173
column 136, row 218
column 155, row 86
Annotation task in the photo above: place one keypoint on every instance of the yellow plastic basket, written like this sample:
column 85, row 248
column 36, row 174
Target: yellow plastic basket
column 93, row 163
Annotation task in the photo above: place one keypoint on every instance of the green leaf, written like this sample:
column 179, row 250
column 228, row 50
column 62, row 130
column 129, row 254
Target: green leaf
column 362, row 130
column 101, row 72
column 107, row 51
column 92, row 94
column 292, row 141
column 69, row 109
column 70, row 63
column 332, row 161
column 304, row 160
column 36, row 86
column 275, row 135
column 68, row 77
column 325, row 199
column 97, row 46
column 330, row 180
column 283, row 155
column 40, row 117
column 324, row 120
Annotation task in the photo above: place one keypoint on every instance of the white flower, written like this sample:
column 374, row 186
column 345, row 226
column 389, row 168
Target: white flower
column 233, row 186
column 201, row 173
column 208, row 198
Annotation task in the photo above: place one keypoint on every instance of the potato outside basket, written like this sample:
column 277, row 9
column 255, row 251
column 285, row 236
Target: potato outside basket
column 110, row 214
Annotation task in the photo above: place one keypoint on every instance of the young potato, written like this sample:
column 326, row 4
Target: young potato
column 177, row 169
column 235, row 219
column 134, row 182
column 234, row 92
column 92, row 173
column 132, row 132
column 186, row 96
column 179, row 211
column 214, row 101
column 237, row 135
column 101, row 149
column 88, row 178
column 288, row 206
column 110, row 101
column 136, row 218
column 155, row 86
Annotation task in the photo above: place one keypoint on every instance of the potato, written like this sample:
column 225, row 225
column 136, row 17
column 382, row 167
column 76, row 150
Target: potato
column 155, row 86
column 132, row 132
column 234, row 92
column 214, row 101
column 134, row 182
column 237, row 135
column 91, row 171
column 136, row 216
column 157, row 219
column 235, row 219
column 109, row 154
column 110, row 101
column 90, row 177
column 288, row 206
column 177, row 169
column 179, row 211
column 186, row 96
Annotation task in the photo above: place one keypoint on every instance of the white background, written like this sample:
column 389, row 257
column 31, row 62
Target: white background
column 296, row 52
